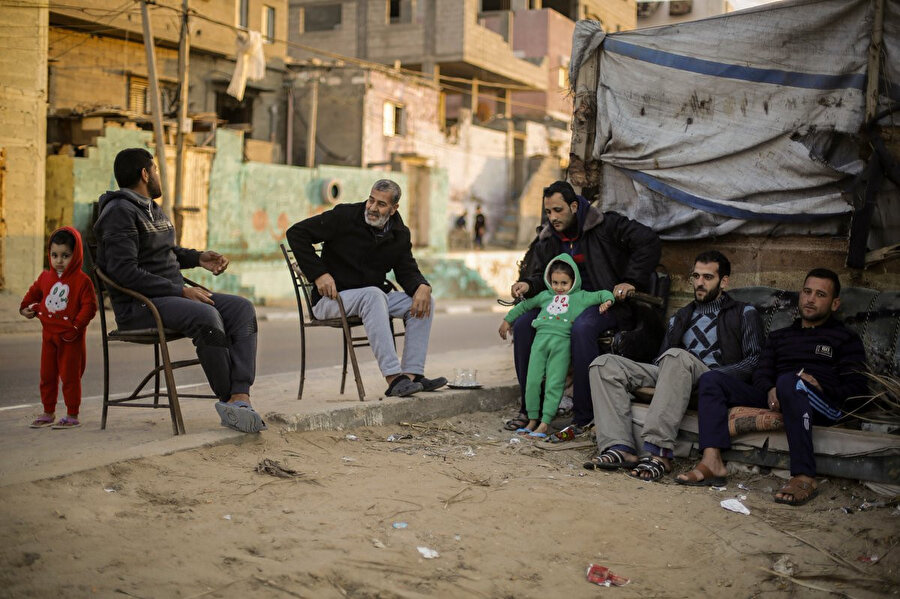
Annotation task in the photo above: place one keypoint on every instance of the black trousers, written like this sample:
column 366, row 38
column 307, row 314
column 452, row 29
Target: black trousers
column 224, row 335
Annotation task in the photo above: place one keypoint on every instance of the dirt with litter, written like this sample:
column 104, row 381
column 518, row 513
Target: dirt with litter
column 350, row 514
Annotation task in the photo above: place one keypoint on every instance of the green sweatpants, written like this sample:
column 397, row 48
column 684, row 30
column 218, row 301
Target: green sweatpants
column 550, row 356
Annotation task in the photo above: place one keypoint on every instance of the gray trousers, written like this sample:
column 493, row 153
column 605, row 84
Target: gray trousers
column 613, row 378
column 376, row 308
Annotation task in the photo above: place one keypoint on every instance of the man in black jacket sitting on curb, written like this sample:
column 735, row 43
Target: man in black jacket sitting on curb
column 361, row 243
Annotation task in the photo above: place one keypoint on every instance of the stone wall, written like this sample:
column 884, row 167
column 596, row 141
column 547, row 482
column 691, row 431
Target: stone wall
column 23, row 108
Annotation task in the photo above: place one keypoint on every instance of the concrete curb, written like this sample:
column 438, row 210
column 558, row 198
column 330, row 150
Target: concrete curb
column 426, row 406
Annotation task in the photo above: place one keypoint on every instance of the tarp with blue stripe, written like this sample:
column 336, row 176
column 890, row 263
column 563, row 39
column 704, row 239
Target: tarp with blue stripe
column 744, row 122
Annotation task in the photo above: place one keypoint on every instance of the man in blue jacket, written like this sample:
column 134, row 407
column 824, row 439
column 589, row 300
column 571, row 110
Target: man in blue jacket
column 137, row 249
column 807, row 371
column 361, row 243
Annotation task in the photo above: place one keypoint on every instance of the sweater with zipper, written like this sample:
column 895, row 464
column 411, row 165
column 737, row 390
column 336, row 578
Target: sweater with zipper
column 137, row 249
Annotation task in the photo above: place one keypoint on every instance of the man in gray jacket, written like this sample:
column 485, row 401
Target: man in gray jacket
column 136, row 248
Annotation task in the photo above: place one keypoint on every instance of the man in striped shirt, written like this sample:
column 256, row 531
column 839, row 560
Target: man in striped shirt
column 712, row 332
column 807, row 371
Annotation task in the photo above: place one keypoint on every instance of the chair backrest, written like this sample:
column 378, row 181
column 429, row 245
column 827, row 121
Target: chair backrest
column 302, row 285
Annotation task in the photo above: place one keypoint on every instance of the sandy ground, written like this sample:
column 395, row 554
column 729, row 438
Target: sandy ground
column 507, row 520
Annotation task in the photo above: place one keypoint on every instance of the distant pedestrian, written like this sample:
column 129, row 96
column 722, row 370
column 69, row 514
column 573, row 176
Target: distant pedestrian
column 63, row 300
column 480, row 228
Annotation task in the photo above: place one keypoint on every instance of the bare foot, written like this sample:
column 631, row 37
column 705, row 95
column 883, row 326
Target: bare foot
column 543, row 427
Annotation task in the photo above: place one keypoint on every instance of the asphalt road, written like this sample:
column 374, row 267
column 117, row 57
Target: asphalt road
column 279, row 352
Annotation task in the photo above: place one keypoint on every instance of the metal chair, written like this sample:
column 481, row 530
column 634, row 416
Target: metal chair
column 158, row 337
column 302, row 291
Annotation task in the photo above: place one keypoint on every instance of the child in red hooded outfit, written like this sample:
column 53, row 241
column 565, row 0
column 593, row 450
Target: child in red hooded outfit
column 63, row 299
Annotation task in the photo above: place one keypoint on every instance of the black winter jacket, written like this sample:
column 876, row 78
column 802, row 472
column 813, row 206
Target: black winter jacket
column 616, row 249
column 136, row 247
column 351, row 252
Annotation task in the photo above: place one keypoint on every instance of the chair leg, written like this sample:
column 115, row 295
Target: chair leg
column 105, row 382
column 174, row 407
column 344, row 372
column 302, row 358
column 156, row 378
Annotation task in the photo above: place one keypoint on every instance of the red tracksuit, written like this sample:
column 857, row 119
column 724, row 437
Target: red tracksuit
column 65, row 304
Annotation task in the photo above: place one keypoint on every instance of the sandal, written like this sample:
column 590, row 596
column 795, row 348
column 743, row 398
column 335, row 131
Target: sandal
column 66, row 422
column 42, row 421
column 514, row 424
column 653, row 466
column 709, row 479
column 615, row 459
column 801, row 491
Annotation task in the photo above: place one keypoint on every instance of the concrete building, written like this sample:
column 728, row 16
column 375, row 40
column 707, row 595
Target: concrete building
column 23, row 102
column 98, row 69
column 653, row 13
column 475, row 86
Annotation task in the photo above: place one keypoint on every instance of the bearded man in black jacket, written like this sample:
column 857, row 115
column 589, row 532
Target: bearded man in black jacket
column 613, row 253
column 361, row 243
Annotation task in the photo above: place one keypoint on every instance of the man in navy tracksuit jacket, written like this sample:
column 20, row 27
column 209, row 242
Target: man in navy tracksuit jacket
column 807, row 371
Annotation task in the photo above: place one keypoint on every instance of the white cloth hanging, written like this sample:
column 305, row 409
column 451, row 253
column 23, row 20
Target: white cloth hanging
column 250, row 62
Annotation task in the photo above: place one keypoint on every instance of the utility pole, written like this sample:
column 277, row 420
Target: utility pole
column 313, row 117
column 157, row 109
column 184, row 60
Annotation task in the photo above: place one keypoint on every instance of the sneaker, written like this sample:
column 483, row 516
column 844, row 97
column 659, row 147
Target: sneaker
column 402, row 387
column 430, row 384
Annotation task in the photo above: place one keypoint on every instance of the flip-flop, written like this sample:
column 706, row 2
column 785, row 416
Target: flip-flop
column 524, row 431
column 239, row 416
column 66, row 422
column 514, row 424
column 653, row 465
column 537, row 435
column 616, row 462
column 800, row 491
column 42, row 421
column 709, row 479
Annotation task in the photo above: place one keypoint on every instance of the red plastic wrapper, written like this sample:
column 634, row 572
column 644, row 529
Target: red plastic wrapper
column 601, row 575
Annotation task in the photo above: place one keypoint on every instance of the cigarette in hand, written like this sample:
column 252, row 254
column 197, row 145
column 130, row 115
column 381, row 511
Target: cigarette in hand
column 801, row 372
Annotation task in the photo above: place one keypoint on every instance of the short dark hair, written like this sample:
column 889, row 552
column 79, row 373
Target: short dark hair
column 129, row 164
column 563, row 188
column 719, row 258
column 824, row 273
column 63, row 238
column 560, row 266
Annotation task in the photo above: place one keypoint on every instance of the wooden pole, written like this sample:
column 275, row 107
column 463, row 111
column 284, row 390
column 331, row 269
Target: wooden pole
column 289, row 142
column 311, row 125
column 874, row 71
column 157, row 109
column 184, row 61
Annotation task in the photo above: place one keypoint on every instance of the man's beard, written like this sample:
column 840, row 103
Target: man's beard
column 154, row 189
column 378, row 221
column 711, row 294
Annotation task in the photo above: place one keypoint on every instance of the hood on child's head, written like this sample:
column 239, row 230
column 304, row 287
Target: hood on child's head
column 576, row 285
column 77, row 251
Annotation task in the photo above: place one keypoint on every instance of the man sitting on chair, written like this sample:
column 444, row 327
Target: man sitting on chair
column 136, row 248
column 360, row 243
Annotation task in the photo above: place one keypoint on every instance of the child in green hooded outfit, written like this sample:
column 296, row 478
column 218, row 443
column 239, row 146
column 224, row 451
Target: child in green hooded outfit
column 560, row 305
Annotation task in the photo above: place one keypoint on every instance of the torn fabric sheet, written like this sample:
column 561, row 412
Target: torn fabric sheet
column 250, row 63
